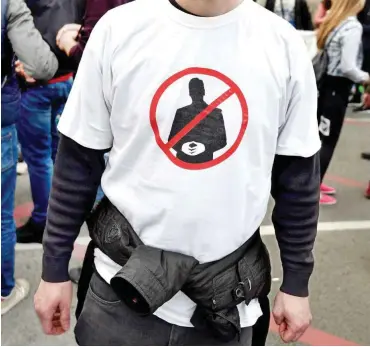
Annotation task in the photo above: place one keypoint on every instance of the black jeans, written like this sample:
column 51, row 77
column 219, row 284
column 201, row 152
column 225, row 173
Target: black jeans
column 106, row 321
column 332, row 106
column 261, row 328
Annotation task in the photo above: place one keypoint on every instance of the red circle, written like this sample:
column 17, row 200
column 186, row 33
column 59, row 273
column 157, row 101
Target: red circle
column 153, row 119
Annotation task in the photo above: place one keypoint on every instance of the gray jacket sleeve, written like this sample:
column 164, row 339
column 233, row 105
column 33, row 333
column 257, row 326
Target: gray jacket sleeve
column 30, row 48
column 350, row 48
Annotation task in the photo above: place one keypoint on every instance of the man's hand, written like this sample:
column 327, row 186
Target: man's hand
column 293, row 315
column 67, row 41
column 53, row 304
column 75, row 28
column 19, row 69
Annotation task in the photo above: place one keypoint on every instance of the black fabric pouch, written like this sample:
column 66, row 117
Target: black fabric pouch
column 248, row 278
column 112, row 233
column 151, row 277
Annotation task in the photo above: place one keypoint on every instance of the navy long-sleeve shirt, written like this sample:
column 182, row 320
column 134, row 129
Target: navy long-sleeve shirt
column 77, row 175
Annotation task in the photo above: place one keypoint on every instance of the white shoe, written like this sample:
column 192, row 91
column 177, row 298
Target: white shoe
column 19, row 292
column 22, row 168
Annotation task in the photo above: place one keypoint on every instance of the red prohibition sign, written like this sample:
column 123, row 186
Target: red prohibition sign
column 233, row 89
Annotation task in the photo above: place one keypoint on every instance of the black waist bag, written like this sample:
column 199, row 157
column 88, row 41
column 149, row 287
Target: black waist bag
column 217, row 288
column 150, row 277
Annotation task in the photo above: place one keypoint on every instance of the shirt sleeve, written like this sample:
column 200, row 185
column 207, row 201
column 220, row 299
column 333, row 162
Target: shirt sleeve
column 295, row 186
column 298, row 132
column 77, row 175
column 38, row 59
column 350, row 50
column 86, row 117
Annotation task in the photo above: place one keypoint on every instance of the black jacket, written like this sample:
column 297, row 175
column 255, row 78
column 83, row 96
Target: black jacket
column 150, row 277
column 302, row 15
column 364, row 18
column 49, row 17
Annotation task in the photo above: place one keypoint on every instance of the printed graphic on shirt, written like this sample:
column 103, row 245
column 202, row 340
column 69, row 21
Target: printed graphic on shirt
column 206, row 137
column 206, row 130
column 324, row 126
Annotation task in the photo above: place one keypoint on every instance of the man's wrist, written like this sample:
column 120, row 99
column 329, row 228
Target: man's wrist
column 55, row 270
column 295, row 283
column 68, row 45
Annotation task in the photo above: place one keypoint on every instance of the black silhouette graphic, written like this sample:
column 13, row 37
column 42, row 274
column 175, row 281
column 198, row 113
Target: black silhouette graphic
column 207, row 137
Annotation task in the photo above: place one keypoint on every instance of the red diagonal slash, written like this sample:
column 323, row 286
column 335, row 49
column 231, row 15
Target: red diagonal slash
column 188, row 127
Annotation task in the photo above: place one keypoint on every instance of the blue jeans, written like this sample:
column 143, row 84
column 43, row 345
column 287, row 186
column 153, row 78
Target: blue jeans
column 100, row 194
column 9, row 156
column 10, row 109
column 37, row 131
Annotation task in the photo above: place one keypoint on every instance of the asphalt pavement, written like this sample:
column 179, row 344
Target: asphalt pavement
column 340, row 285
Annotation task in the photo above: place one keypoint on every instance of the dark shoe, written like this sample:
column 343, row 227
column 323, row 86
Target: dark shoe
column 365, row 155
column 75, row 274
column 361, row 108
column 31, row 232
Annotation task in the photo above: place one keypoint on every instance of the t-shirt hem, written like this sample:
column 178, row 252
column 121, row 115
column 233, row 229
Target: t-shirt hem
column 98, row 145
column 305, row 153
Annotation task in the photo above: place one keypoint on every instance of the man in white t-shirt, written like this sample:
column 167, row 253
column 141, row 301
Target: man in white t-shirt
column 256, row 101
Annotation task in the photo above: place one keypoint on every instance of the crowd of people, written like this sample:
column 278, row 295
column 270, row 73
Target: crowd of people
column 70, row 101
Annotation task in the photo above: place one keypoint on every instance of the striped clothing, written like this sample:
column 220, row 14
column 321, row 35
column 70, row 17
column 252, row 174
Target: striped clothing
column 344, row 47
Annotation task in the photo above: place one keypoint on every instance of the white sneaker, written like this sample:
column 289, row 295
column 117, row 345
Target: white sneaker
column 22, row 168
column 19, row 292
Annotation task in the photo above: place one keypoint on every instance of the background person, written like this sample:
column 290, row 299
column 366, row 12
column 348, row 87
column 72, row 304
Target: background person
column 41, row 105
column 20, row 37
column 296, row 12
column 321, row 12
column 341, row 35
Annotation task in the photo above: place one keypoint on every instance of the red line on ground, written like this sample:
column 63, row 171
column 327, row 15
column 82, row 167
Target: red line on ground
column 345, row 181
column 315, row 337
column 188, row 127
column 357, row 121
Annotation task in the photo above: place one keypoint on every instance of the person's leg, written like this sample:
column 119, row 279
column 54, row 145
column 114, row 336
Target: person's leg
column 181, row 336
column 13, row 290
column 34, row 129
column 332, row 112
column 8, row 182
column 261, row 328
column 61, row 90
column 332, row 121
column 118, row 325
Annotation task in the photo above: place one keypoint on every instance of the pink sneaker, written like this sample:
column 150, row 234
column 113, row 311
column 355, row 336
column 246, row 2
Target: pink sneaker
column 327, row 200
column 327, row 189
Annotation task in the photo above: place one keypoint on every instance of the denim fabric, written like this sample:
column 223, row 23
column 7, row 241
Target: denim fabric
column 10, row 109
column 10, row 101
column 38, row 136
column 120, row 326
column 100, row 194
column 9, row 155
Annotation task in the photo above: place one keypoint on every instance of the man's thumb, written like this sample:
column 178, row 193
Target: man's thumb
column 65, row 316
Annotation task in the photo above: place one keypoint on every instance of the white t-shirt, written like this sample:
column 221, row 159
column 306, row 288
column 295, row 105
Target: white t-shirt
column 195, row 110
